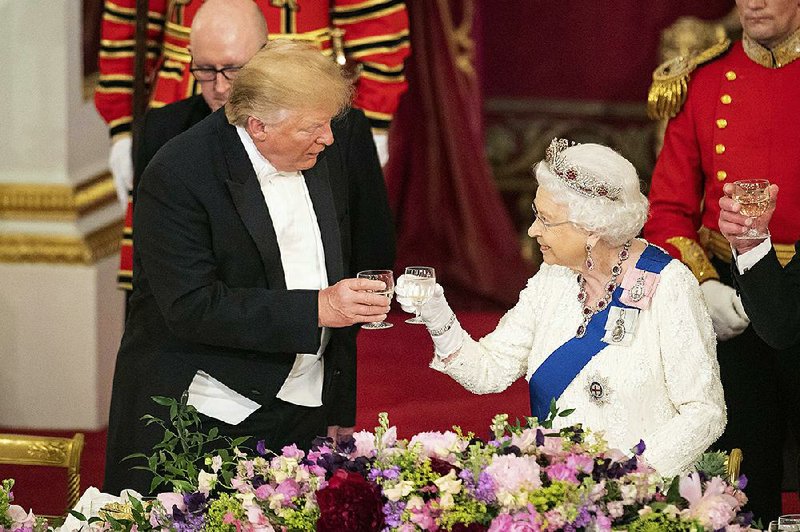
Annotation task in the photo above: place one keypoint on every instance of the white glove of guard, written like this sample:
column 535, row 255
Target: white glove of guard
column 382, row 145
column 120, row 162
column 725, row 308
column 444, row 328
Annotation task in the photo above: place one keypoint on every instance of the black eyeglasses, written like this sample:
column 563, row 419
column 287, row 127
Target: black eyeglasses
column 547, row 225
column 210, row 74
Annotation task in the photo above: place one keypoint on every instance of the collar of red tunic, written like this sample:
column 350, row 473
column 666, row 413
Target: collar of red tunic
column 778, row 56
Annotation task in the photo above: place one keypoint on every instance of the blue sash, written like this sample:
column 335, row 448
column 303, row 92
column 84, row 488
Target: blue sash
column 562, row 366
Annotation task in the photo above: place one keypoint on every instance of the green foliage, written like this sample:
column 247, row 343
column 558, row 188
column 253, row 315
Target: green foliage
column 5, row 502
column 713, row 464
column 177, row 460
column 225, row 505
column 660, row 522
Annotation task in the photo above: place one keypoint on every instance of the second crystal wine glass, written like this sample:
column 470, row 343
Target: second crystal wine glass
column 753, row 197
column 388, row 279
column 420, row 282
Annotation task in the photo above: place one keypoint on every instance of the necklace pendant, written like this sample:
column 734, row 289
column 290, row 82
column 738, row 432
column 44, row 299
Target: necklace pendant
column 618, row 332
column 637, row 290
column 581, row 331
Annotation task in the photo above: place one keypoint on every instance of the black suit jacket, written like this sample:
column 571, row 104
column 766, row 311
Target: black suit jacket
column 771, row 297
column 163, row 124
column 209, row 287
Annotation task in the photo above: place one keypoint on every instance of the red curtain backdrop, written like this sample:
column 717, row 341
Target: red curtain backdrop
column 579, row 50
column 448, row 212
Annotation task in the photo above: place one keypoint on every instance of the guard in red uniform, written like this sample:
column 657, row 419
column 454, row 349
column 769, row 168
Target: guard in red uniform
column 735, row 112
column 372, row 34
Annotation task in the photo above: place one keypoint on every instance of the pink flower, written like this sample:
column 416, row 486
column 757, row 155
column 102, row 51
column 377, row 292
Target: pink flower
column 442, row 445
column 525, row 521
column 264, row 491
column 713, row 508
column 171, row 499
column 19, row 518
column 561, row 471
column 288, row 488
column 291, row 451
column 581, row 462
column 425, row 517
column 365, row 444
column 513, row 477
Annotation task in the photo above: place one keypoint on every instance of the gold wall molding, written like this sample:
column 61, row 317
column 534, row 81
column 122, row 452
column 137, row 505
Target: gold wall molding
column 56, row 202
column 61, row 249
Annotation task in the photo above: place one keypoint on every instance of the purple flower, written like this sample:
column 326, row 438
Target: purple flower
column 639, row 448
column 393, row 512
column 195, row 502
column 741, row 482
column 261, row 448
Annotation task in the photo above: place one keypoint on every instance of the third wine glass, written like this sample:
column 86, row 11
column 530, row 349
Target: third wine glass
column 753, row 197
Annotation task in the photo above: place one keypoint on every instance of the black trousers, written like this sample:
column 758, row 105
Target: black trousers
column 279, row 424
column 762, row 393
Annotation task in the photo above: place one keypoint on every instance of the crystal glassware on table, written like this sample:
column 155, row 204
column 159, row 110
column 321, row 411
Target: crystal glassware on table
column 419, row 283
column 752, row 195
column 388, row 279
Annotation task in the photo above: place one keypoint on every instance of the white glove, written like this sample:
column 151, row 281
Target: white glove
column 725, row 308
column 382, row 144
column 120, row 161
column 444, row 328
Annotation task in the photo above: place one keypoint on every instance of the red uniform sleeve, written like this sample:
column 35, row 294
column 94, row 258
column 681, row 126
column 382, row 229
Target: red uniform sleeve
column 376, row 37
column 676, row 194
column 113, row 96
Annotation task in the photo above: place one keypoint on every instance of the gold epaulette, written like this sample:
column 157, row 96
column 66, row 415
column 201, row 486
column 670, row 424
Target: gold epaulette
column 694, row 256
column 670, row 80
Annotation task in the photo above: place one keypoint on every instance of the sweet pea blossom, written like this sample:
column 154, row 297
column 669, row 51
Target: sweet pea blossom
column 399, row 490
column 442, row 445
column 206, row 482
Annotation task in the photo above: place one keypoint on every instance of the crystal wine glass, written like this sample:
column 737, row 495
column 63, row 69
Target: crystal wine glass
column 388, row 279
column 789, row 523
column 419, row 284
column 753, row 197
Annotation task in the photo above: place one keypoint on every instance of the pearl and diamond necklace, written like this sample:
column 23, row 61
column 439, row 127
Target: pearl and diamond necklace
column 611, row 285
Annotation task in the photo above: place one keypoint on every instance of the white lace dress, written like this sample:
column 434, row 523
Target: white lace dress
column 663, row 388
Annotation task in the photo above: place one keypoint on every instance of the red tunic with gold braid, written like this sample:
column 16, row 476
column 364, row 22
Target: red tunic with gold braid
column 740, row 121
column 374, row 34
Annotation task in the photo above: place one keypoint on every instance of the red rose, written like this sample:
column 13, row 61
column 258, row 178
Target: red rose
column 350, row 502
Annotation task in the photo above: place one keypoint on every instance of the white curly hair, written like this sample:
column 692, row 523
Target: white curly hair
column 614, row 221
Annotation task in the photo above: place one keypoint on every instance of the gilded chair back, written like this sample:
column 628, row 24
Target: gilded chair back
column 52, row 451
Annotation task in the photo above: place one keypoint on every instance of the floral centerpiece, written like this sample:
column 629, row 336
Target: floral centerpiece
column 524, row 477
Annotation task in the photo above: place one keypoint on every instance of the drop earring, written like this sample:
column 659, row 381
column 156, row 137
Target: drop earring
column 589, row 261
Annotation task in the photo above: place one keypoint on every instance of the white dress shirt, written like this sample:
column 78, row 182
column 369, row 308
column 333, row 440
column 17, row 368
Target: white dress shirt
column 748, row 259
column 302, row 257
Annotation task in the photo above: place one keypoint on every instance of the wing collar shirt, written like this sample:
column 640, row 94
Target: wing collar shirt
column 302, row 257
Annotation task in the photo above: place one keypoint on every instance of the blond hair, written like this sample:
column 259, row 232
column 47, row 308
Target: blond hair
column 287, row 76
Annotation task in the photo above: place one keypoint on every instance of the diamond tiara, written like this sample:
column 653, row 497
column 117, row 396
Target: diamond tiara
column 575, row 177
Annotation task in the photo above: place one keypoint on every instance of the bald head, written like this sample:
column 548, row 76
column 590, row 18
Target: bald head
column 225, row 33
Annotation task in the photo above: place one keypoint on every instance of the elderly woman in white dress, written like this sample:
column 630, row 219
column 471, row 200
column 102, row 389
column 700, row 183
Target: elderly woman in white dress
column 610, row 325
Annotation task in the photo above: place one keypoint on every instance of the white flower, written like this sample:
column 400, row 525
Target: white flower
column 399, row 490
column 449, row 484
column 216, row 463
column 206, row 482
